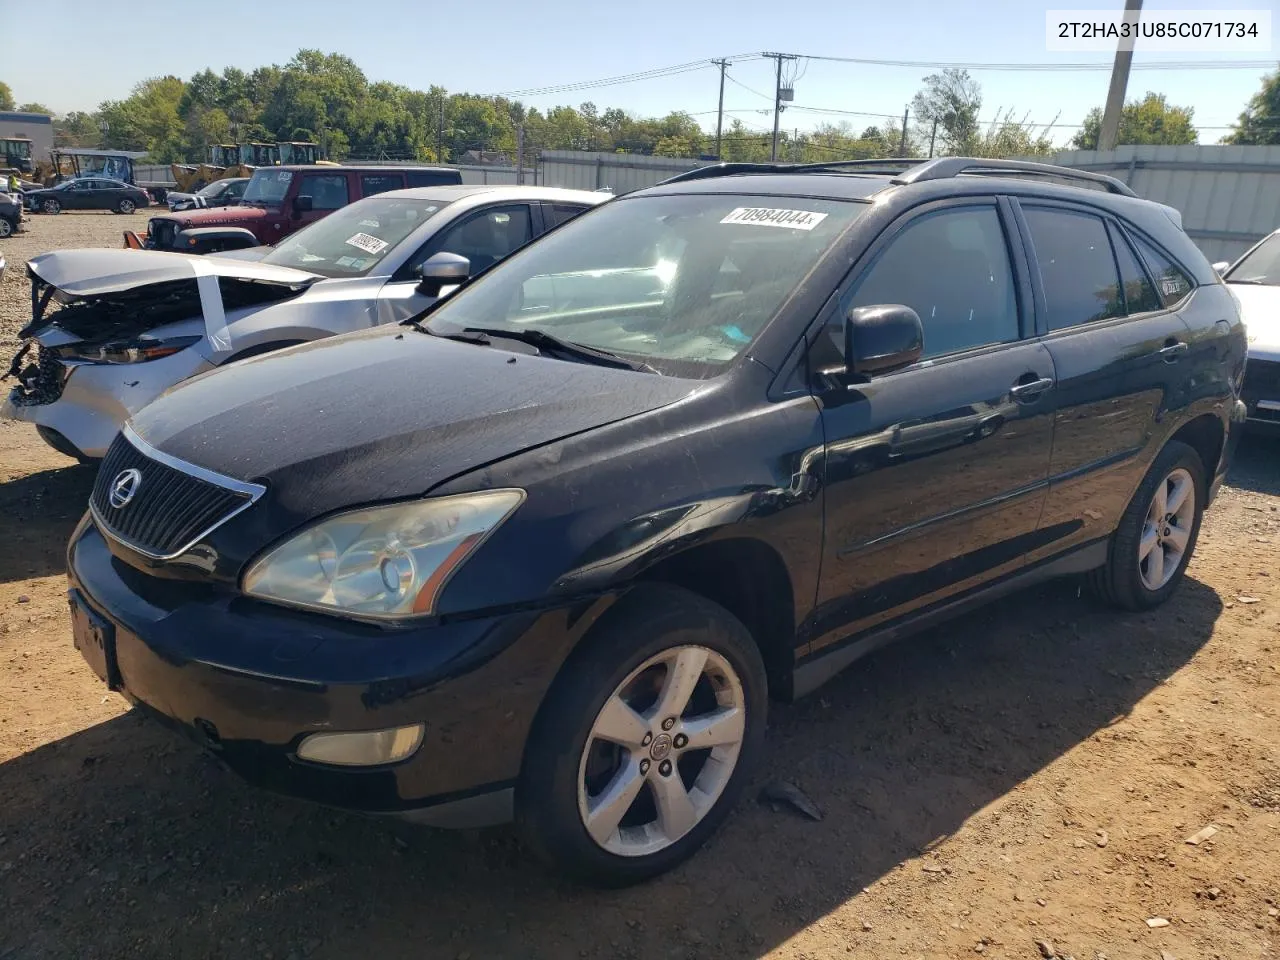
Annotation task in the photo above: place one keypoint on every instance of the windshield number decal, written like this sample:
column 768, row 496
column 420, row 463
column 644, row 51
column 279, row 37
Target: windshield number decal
column 770, row 217
column 367, row 243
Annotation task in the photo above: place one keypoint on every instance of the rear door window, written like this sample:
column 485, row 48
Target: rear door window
column 328, row 191
column 430, row 178
column 371, row 183
column 558, row 213
column 1171, row 282
column 1139, row 295
column 1077, row 268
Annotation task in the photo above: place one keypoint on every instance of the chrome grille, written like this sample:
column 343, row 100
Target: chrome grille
column 172, row 505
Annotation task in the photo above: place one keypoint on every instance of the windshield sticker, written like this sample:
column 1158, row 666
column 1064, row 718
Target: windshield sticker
column 370, row 223
column 1171, row 288
column 284, row 176
column 770, row 217
column 368, row 243
column 346, row 261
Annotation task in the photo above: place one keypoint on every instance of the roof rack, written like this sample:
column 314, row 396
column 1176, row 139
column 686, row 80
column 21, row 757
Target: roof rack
column 891, row 165
column 944, row 168
column 905, row 170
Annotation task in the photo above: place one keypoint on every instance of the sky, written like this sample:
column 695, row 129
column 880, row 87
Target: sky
column 502, row 46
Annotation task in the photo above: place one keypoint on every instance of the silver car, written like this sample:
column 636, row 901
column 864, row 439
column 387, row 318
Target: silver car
column 113, row 329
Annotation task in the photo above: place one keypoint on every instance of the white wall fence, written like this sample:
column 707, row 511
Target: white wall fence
column 1229, row 196
column 619, row 172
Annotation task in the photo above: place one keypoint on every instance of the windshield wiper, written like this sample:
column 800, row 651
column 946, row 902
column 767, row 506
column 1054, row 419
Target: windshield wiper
column 544, row 342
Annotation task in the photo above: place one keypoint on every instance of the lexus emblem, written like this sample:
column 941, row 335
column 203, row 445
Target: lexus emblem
column 123, row 487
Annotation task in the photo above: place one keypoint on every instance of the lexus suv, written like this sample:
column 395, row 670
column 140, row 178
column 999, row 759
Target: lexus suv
column 547, row 549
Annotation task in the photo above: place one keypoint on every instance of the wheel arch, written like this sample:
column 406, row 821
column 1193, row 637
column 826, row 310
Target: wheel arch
column 1206, row 435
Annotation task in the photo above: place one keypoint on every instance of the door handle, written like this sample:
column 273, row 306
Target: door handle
column 1170, row 352
column 1031, row 390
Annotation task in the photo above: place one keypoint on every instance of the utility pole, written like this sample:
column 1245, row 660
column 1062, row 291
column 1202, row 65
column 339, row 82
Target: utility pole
column 1119, row 82
column 520, row 154
column 777, row 97
column 440, row 132
column 933, row 136
column 723, row 65
column 902, row 144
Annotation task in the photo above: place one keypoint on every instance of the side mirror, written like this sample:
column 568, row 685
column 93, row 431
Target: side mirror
column 441, row 270
column 303, row 204
column 880, row 338
column 1221, row 267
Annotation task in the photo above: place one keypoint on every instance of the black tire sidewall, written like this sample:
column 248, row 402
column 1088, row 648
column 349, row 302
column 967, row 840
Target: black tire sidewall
column 648, row 620
column 1126, row 578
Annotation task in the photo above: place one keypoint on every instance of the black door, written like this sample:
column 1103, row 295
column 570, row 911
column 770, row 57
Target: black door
column 935, row 474
column 1120, row 353
column 78, row 196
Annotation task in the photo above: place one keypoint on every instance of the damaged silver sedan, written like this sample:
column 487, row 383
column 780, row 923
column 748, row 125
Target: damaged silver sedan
column 113, row 329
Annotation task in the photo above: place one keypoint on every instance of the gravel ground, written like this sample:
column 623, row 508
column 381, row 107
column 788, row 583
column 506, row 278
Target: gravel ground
column 1027, row 775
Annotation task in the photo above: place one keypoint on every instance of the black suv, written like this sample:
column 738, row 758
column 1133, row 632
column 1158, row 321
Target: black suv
column 547, row 550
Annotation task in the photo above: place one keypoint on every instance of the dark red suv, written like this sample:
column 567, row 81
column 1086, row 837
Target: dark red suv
column 278, row 201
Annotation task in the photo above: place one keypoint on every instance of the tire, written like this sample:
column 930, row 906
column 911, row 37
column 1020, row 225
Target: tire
column 1129, row 581
column 126, row 206
column 566, row 768
column 7, row 227
column 50, row 207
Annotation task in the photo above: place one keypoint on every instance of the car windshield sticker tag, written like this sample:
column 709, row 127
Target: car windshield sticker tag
column 370, row 223
column 1171, row 288
column 769, row 217
column 367, row 243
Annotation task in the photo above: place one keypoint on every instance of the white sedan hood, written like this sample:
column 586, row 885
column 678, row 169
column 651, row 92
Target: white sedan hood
column 89, row 273
column 1260, row 308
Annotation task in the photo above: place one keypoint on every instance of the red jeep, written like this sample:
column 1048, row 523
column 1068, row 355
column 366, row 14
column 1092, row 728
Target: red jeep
column 278, row 201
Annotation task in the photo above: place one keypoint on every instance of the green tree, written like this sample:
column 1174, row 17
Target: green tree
column 35, row 108
column 6, row 96
column 1149, row 120
column 1258, row 124
column 1009, row 138
column 951, row 99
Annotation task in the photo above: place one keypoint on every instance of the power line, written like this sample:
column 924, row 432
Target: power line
column 763, row 96
column 1051, row 67
column 655, row 73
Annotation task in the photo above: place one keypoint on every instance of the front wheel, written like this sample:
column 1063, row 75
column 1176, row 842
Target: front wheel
column 126, row 206
column 7, row 227
column 50, row 206
column 1152, row 545
column 645, row 741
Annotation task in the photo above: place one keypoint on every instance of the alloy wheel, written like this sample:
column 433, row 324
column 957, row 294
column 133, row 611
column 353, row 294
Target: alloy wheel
column 51, row 206
column 6, row 228
column 661, row 751
column 1166, row 531
column 126, row 206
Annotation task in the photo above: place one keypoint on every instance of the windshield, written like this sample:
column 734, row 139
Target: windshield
column 351, row 241
column 268, row 187
column 691, row 279
column 1260, row 266
column 18, row 148
column 213, row 189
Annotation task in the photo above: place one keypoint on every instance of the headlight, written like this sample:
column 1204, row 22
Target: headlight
column 384, row 563
column 126, row 351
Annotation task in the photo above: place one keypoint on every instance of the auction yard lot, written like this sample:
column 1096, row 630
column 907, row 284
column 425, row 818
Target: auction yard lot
column 1029, row 773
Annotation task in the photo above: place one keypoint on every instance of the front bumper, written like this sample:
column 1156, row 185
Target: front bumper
column 1261, row 392
column 95, row 399
column 249, row 680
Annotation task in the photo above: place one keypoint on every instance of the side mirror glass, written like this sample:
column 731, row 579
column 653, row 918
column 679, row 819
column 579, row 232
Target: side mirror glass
column 1222, row 266
column 442, row 270
column 881, row 338
column 303, row 204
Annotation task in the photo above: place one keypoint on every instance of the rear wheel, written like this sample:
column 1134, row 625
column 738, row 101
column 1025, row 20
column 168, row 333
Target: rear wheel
column 1151, row 548
column 126, row 206
column 6, row 227
column 50, row 206
column 645, row 741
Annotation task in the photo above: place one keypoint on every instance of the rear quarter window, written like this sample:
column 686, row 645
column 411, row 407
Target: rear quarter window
column 431, row 178
column 1172, row 284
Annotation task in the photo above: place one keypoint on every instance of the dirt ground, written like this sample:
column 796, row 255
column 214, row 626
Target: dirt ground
column 1029, row 773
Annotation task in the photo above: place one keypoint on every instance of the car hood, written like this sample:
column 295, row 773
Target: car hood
column 238, row 216
column 384, row 414
column 1260, row 308
column 93, row 272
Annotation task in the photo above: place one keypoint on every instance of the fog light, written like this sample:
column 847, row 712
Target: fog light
column 367, row 749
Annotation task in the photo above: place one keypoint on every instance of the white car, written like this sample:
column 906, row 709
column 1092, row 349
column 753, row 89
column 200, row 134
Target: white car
column 1254, row 279
column 112, row 329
